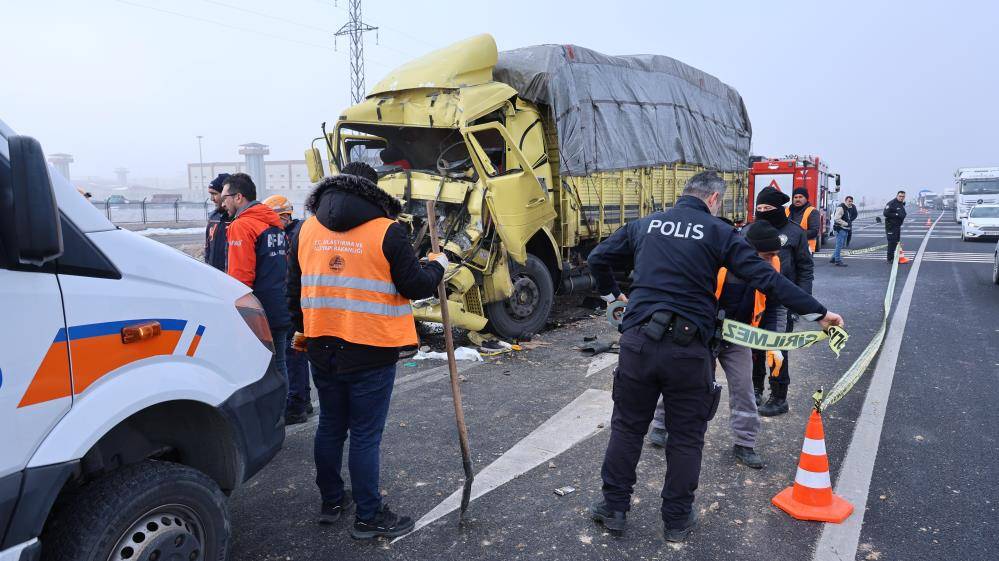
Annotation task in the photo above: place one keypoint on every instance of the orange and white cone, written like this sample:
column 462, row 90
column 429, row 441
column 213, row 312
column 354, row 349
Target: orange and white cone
column 902, row 259
column 811, row 497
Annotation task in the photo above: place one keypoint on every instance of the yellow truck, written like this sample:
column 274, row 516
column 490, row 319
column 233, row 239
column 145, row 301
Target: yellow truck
column 532, row 156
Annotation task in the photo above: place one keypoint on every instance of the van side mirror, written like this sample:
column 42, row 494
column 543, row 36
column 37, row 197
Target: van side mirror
column 29, row 205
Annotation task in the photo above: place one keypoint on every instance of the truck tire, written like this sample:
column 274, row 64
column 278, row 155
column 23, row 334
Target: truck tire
column 527, row 310
column 142, row 512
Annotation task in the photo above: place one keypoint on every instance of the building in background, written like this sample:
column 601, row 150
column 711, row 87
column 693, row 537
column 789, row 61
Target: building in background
column 286, row 177
column 121, row 176
column 61, row 163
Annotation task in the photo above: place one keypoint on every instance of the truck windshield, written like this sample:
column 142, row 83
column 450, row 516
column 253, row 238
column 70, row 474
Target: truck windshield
column 434, row 150
column 985, row 212
column 980, row 186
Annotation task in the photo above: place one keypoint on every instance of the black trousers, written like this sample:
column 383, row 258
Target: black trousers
column 779, row 383
column 684, row 376
column 894, row 235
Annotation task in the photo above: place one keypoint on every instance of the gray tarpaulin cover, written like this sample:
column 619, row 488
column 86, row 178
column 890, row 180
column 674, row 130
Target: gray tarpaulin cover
column 619, row 112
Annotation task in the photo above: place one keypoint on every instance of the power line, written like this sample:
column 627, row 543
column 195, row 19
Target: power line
column 261, row 14
column 396, row 29
column 355, row 29
column 221, row 24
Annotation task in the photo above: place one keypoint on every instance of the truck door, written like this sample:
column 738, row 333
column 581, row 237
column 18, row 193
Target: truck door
column 518, row 203
column 35, row 384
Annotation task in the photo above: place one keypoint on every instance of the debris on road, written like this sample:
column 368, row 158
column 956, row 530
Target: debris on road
column 563, row 491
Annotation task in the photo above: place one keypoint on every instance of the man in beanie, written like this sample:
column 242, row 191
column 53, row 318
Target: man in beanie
column 352, row 275
column 218, row 223
column 796, row 264
column 804, row 215
column 745, row 305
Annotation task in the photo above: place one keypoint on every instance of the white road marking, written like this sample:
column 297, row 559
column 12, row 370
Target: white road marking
column 576, row 422
column 600, row 362
column 839, row 542
column 936, row 256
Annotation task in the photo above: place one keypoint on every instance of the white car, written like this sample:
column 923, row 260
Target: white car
column 995, row 264
column 982, row 222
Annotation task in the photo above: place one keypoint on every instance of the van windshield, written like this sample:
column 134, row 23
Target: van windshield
column 985, row 212
column 980, row 187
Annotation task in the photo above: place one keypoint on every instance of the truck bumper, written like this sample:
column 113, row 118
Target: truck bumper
column 460, row 317
column 256, row 413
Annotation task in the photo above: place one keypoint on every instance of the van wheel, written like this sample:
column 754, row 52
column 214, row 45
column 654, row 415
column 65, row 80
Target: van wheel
column 143, row 512
column 527, row 309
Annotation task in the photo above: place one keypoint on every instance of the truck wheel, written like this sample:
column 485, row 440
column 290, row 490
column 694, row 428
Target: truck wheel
column 143, row 512
column 527, row 309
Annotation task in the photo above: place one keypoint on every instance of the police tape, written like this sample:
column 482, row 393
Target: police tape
column 745, row 335
column 859, row 366
column 864, row 250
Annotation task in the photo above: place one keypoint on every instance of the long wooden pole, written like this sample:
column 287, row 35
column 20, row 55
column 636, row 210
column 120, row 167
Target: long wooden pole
column 459, row 413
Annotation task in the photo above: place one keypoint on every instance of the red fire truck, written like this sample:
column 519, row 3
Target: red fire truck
column 791, row 172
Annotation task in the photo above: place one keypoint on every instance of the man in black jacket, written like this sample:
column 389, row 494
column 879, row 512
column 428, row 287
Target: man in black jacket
column 796, row 264
column 667, row 331
column 218, row 223
column 352, row 274
column 802, row 213
column 894, row 214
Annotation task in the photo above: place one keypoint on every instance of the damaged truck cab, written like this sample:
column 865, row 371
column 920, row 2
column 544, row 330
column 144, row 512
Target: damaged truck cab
column 444, row 131
column 531, row 163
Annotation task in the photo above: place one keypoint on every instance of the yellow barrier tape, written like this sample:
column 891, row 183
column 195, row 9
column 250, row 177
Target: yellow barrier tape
column 864, row 250
column 755, row 338
column 856, row 370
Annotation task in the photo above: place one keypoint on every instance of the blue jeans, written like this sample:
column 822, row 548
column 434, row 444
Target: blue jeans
column 299, row 390
column 279, row 336
column 841, row 236
column 358, row 404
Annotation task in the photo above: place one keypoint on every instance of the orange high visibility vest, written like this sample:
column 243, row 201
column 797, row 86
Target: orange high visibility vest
column 347, row 289
column 804, row 224
column 759, row 299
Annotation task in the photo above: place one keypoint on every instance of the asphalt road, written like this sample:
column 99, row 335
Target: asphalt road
column 537, row 421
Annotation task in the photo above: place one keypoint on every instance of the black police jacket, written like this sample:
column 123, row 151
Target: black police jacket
column 894, row 214
column 216, row 244
column 796, row 261
column 676, row 255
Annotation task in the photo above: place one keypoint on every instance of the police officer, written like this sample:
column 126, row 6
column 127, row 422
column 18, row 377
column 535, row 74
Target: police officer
column 802, row 213
column 894, row 214
column 667, row 330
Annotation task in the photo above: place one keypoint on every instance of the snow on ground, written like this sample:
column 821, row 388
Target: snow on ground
column 170, row 231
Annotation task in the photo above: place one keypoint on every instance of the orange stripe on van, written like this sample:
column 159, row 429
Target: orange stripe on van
column 51, row 380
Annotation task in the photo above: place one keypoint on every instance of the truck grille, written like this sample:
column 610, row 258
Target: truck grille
column 473, row 301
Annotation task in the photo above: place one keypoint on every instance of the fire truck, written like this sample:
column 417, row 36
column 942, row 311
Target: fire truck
column 789, row 173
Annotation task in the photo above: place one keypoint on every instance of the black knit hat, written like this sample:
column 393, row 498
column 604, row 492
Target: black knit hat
column 217, row 183
column 772, row 196
column 801, row 191
column 763, row 236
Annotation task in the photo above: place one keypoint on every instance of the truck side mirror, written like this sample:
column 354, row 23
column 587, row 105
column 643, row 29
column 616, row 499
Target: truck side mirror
column 314, row 162
column 837, row 180
column 28, row 205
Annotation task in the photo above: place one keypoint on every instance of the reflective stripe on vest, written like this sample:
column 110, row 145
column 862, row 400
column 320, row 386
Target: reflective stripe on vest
column 759, row 298
column 812, row 244
column 347, row 288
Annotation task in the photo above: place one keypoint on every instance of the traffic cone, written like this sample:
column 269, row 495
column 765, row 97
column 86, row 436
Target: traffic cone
column 902, row 259
column 928, row 222
column 811, row 497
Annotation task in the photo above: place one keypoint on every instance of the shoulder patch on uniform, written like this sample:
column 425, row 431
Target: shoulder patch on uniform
column 783, row 239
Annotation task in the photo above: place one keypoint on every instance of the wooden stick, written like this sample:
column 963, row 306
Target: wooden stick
column 459, row 413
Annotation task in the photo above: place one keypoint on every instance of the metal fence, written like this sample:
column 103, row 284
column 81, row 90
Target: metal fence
column 141, row 212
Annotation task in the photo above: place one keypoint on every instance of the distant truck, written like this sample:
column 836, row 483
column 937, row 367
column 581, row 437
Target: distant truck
column 975, row 186
column 949, row 199
column 927, row 199
column 787, row 174
column 533, row 156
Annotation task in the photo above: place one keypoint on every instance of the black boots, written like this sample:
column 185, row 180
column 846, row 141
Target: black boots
column 331, row 512
column 774, row 406
column 747, row 457
column 679, row 535
column 657, row 437
column 614, row 520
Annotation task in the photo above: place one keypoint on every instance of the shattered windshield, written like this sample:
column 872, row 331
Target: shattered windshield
column 432, row 150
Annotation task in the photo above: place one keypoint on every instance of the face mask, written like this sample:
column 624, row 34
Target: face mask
column 775, row 217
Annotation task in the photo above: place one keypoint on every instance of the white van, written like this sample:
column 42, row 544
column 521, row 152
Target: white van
column 137, row 385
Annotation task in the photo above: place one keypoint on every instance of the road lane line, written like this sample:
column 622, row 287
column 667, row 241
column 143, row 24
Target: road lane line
column 600, row 362
column 587, row 415
column 839, row 542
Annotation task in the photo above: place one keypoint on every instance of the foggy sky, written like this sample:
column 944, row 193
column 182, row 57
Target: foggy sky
column 891, row 94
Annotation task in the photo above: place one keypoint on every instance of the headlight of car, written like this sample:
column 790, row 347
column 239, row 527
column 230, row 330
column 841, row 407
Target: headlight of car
column 972, row 225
